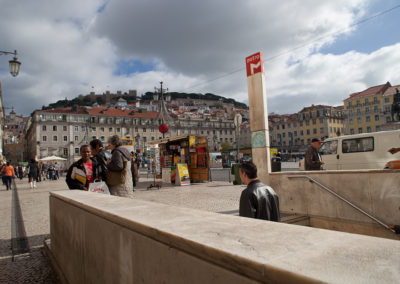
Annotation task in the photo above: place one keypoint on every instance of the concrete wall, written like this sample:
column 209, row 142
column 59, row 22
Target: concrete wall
column 375, row 191
column 106, row 239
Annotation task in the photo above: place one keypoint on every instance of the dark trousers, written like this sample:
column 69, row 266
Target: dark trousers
column 7, row 181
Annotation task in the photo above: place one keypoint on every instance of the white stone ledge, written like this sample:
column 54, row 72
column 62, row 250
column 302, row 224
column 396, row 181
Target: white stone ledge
column 324, row 172
column 253, row 250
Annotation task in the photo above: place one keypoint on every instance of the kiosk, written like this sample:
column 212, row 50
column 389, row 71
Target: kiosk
column 184, row 149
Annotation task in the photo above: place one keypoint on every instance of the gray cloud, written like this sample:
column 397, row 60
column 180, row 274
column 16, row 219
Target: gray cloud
column 210, row 37
column 68, row 47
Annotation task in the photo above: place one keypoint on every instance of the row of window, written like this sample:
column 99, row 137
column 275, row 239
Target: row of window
column 182, row 131
column 314, row 121
column 367, row 102
column 152, row 130
column 118, row 120
column 368, row 119
column 55, row 138
column 360, row 129
column 332, row 130
column 291, row 143
column 367, row 110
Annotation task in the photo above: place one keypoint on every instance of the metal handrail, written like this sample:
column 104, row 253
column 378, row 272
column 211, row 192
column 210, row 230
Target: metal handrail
column 343, row 199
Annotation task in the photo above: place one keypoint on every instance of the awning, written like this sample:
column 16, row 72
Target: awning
column 52, row 159
column 169, row 139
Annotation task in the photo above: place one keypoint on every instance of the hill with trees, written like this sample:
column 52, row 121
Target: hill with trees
column 148, row 96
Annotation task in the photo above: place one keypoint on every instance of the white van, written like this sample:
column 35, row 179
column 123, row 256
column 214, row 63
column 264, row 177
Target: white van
column 359, row 151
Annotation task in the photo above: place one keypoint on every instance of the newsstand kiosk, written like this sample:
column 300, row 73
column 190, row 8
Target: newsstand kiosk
column 183, row 159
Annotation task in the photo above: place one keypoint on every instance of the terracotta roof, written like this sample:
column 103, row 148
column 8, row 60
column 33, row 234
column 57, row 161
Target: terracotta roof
column 391, row 91
column 119, row 112
column 370, row 91
column 314, row 107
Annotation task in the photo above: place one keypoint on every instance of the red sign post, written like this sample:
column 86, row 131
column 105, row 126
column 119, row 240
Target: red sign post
column 258, row 115
column 254, row 64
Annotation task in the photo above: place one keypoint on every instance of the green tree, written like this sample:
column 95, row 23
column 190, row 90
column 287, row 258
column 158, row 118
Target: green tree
column 225, row 146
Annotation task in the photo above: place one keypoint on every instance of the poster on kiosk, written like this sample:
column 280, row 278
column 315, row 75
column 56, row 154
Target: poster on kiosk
column 183, row 177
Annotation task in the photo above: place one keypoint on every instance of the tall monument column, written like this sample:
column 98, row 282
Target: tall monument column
column 258, row 115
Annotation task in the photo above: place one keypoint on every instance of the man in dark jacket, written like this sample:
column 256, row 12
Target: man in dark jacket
column 312, row 159
column 99, row 155
column 257, row 200
column 83, row 172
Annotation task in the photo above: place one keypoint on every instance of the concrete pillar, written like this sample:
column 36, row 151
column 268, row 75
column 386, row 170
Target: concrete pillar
column 258, row 115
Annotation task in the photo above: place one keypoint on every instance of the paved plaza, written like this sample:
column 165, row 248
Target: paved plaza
column 30, row 266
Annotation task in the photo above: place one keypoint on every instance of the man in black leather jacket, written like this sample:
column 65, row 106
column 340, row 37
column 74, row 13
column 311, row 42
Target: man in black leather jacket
column 257, row 200
column 99, row 155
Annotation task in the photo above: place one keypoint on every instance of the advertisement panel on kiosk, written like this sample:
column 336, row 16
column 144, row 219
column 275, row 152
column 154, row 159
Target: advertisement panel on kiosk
column 182, row 177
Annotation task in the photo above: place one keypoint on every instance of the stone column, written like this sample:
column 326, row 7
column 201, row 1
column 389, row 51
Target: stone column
column 258, row 115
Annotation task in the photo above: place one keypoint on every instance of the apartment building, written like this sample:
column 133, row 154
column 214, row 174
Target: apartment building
column 14, row 137
column 62, row 131
column 293, row 132
column 367, row 110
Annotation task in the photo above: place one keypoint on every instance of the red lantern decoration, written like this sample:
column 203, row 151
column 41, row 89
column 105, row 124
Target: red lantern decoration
column 163, row 128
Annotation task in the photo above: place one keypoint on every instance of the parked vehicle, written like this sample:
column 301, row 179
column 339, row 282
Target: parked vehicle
column 359, row 151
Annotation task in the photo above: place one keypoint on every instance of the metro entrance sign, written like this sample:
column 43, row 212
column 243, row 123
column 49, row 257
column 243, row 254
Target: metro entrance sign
column 258, row 115
column 254, row 64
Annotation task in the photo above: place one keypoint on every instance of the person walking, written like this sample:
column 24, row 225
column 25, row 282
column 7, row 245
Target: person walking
column 312, row 159
column 83, row 172
column 8, row 174
column 257, row 200
column 20, row 172
column 33, row 172
column 119, row 176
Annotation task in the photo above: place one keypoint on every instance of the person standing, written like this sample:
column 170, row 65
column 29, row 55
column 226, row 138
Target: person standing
column 100, row 156
column 312, row 159
column 119, row 177
column 257, row 200
column 33, row 172
column 56, row 171
column 83, row 172
column 133, row 169
column 8, row 174
column 20, row 172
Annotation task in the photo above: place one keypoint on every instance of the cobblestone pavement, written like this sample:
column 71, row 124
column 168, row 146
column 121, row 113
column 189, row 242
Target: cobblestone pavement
column 33, row 267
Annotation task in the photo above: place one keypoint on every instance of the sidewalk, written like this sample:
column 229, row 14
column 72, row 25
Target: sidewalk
column 33, row 267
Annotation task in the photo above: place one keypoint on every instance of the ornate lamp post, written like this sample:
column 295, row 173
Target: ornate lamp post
column 237, row 122
column 137, row 137
column 14, row 64
column 14, row 70
column 215, row 140
column 161, row 99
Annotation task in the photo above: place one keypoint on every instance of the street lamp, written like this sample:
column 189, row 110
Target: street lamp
column 215, row 139
column 237, row 121
column 137, row 137
column 161, row 99
column 14, row 64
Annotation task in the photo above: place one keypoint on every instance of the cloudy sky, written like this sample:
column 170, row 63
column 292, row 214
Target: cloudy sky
column 316, row 52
